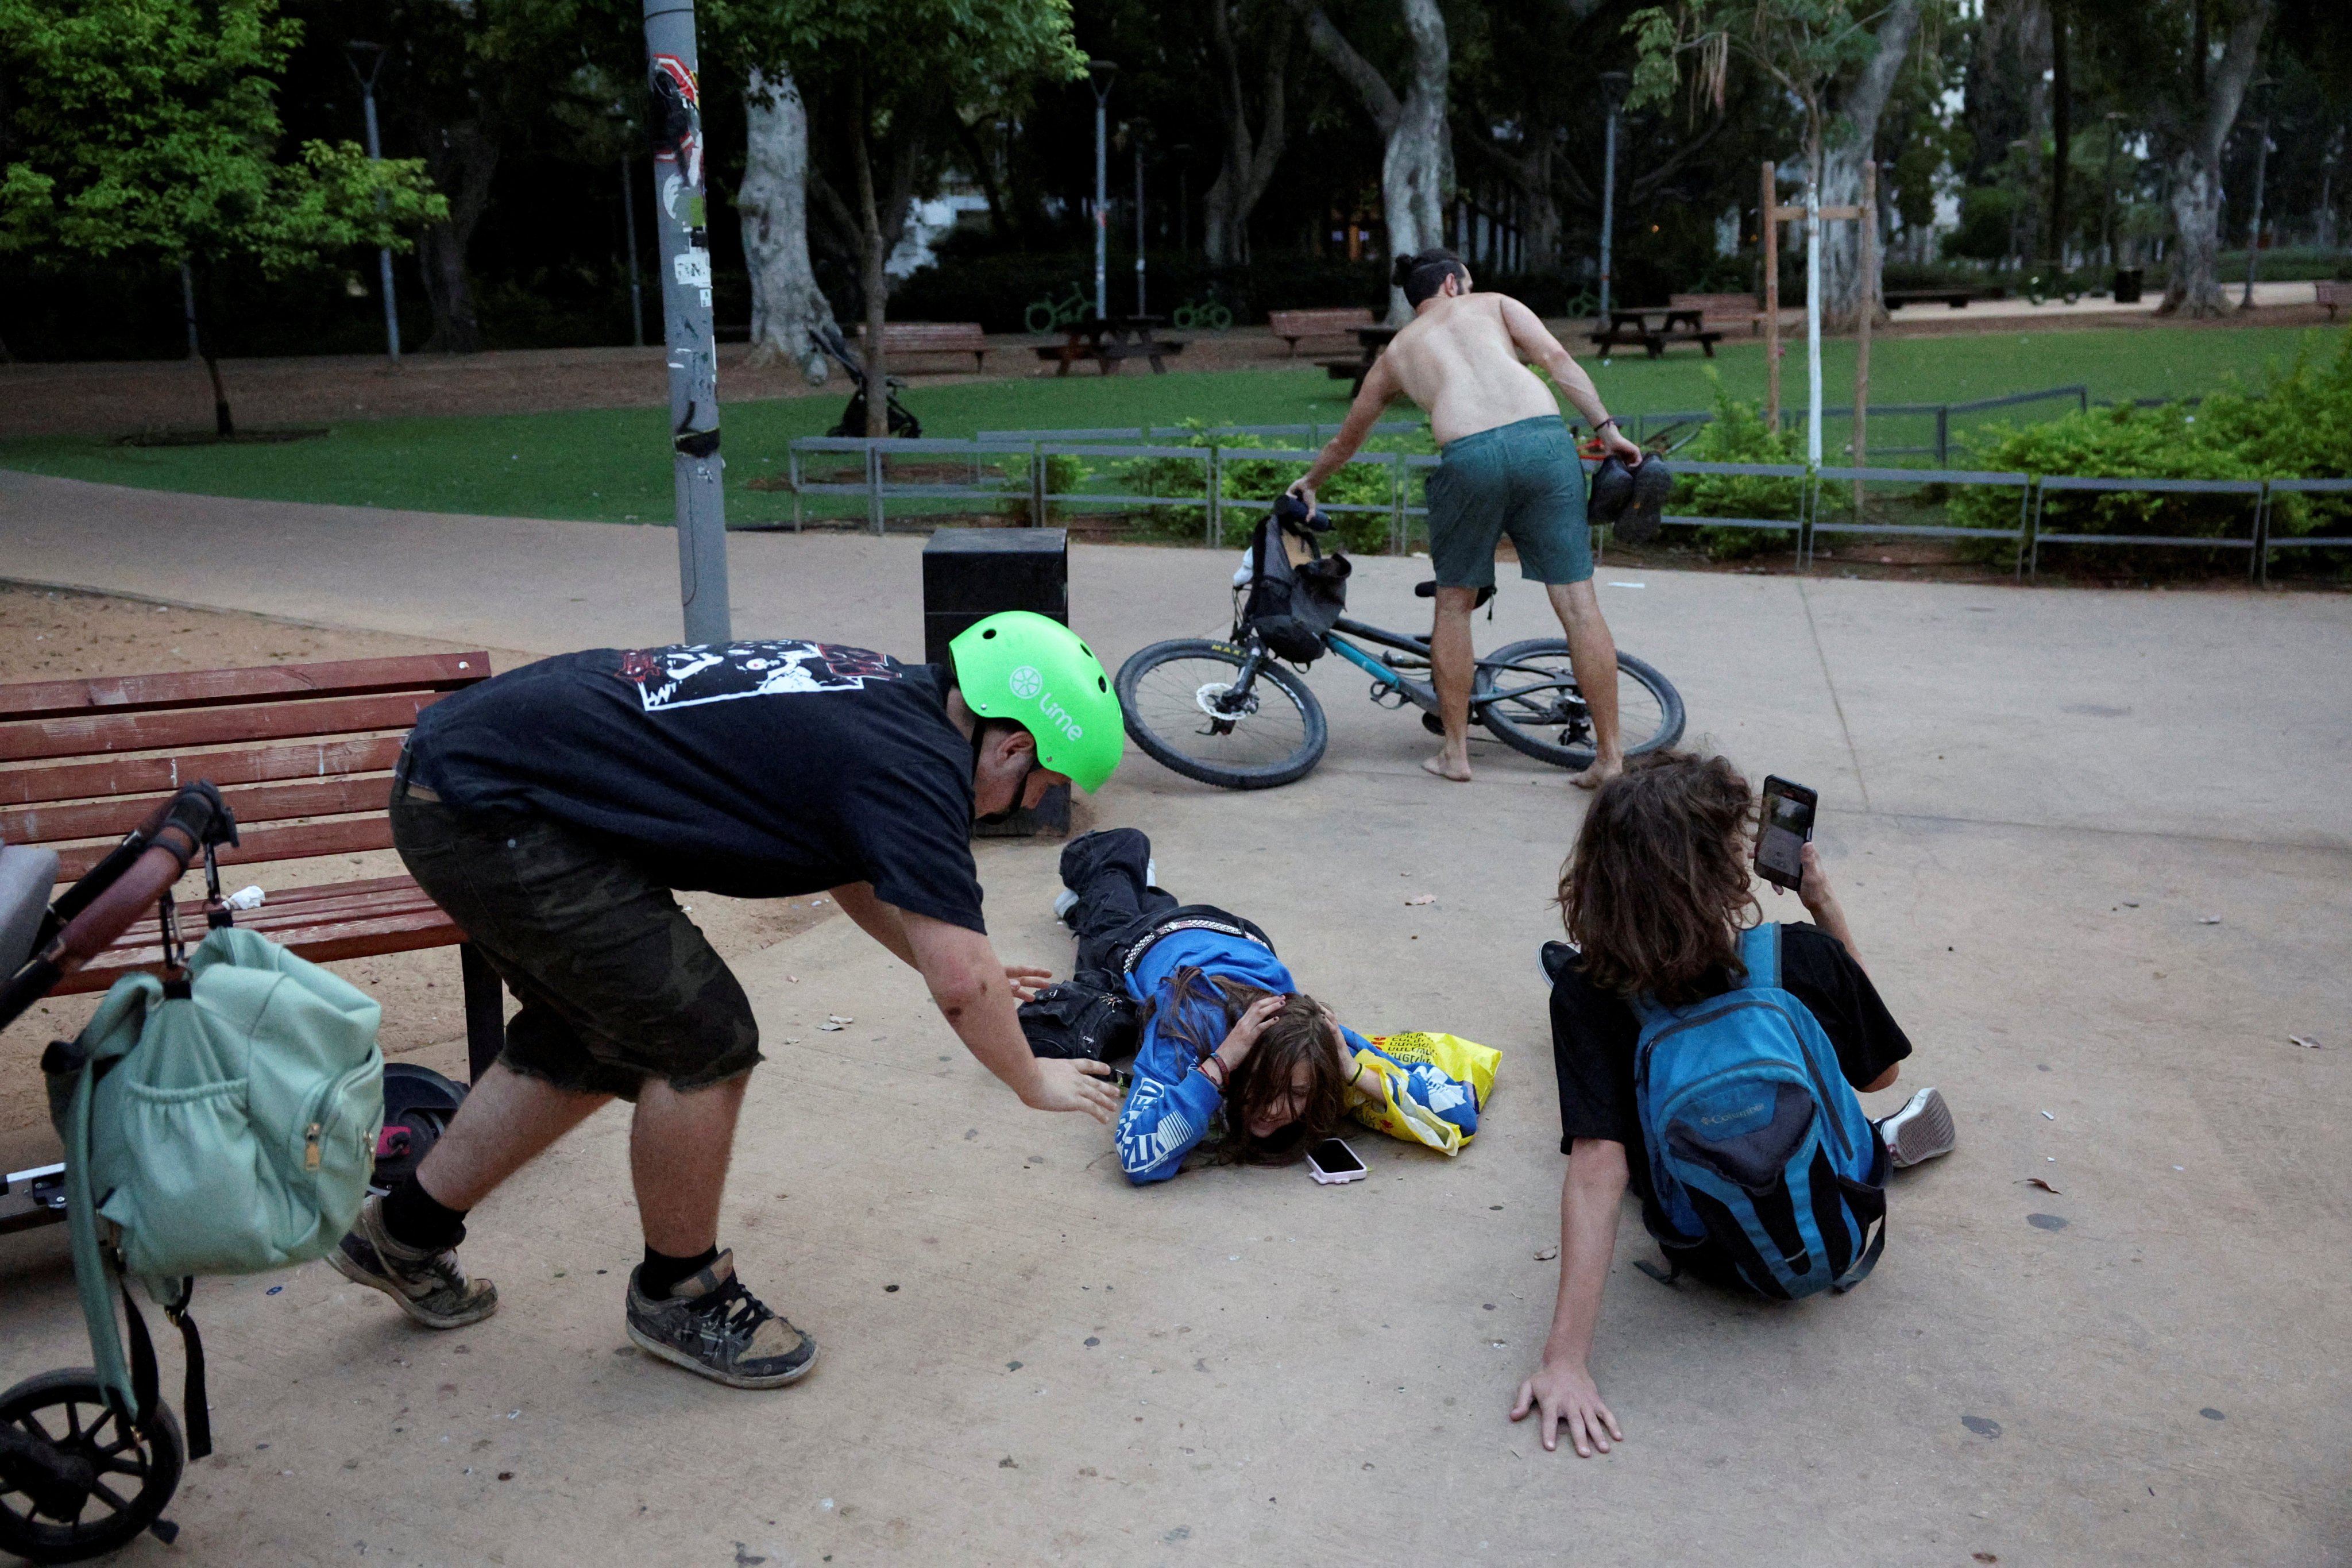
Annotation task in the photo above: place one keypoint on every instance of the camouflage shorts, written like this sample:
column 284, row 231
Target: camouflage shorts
column 617, row 984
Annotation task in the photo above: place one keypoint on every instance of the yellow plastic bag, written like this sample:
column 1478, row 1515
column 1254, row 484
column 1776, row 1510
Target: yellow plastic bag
column 1435, row 1087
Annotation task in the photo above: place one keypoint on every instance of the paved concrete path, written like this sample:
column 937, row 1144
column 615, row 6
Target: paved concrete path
column 2037, row 801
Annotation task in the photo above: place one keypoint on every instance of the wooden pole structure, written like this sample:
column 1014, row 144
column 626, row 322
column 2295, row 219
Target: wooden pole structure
column 1862, row 325
column 1768, row 215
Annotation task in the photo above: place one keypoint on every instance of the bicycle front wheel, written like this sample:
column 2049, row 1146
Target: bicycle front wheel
column 1528, row 697
column 1200, row 707
column 1040, row 317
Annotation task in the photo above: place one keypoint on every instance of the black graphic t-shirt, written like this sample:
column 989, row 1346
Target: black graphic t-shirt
column 753, row 769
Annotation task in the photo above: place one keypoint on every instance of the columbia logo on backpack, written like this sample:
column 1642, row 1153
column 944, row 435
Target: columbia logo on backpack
column 1764, row 1165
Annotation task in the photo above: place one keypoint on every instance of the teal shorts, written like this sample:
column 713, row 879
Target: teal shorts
column 1523, row 480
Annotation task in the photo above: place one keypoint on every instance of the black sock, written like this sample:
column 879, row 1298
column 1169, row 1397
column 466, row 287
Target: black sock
column 661, row 1274
column 415, row 1218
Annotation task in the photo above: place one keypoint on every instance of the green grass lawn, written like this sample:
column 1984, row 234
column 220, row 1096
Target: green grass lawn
column 613, row 465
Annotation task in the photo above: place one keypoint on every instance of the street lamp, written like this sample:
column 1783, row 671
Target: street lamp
column 1137, row 134
column 2107, row 218
column 2261, row 167
column 620, row 118
column 372, row 55
column 1612, row 89
column 1098, row 75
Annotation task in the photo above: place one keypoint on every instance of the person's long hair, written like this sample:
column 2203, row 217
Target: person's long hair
column 1300, row 1032
column 1656, row 890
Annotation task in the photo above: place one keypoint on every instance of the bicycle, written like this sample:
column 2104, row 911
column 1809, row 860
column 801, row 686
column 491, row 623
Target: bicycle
column 1207, row 315
column 1201, row 707
column 1051, row 315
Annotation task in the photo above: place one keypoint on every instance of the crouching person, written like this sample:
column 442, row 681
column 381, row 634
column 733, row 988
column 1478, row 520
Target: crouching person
column 1711, row 1062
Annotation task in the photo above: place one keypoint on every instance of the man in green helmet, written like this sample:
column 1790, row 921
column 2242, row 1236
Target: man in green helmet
column 552, row 810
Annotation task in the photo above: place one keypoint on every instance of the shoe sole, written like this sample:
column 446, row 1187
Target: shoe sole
column 1921, row 1130
column 679, row 1358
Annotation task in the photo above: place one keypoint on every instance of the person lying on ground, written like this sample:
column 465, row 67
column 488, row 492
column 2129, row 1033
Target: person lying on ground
column 1656, row 894
column 1229, row 1036
column 1509, row 466
column 552, row 811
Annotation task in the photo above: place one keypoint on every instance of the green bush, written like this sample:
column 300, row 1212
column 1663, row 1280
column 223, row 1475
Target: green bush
column 1737, row 434
column 1065, row 472
column 2298, row 424
column 1247, row 485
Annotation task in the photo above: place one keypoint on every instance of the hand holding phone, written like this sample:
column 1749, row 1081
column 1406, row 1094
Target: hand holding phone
column 1784, row 827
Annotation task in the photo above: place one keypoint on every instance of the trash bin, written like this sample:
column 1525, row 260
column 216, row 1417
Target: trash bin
column 2127, row 288
column 970, row 573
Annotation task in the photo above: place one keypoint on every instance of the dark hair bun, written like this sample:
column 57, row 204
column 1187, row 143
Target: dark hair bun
column 1401, row 273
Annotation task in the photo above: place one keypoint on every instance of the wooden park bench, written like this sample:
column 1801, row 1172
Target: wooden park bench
column 303, row 754
column 1292, row 325
column 1728, row 312
column 932, row 338
column 1958, row 299
column 2332, row 294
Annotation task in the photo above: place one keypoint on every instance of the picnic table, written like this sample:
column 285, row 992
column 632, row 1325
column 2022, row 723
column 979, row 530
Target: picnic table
column 1108, row 340
column 1371, row 341
column 1673, row 326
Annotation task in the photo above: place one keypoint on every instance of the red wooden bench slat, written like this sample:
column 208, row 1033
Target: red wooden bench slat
column 275, row 803
column 161, row 775
column 260, row 683
column 326, row 943
column 348, row 835
column 88, row 736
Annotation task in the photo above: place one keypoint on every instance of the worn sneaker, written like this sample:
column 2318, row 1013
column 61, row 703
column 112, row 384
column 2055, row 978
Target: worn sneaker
column 1064, row 902
column 1920, row 1130
column 429, row 1286
column 1554, row 956
column 713, row 1326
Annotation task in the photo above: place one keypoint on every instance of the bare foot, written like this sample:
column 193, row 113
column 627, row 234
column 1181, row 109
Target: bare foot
column 1454, row 773
column 1599, row 774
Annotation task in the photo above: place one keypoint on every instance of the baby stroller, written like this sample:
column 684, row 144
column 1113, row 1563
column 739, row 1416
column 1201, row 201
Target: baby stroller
column 902, row 423
column 79, row 1474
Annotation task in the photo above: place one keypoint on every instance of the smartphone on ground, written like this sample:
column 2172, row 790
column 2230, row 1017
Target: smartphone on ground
column 1784, row 827
column 1332, row 1162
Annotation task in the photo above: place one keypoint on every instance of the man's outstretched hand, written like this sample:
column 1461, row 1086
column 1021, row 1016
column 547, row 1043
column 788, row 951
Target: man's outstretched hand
column 1073, row 1085
column 1564, row 1398
column 1027, row 981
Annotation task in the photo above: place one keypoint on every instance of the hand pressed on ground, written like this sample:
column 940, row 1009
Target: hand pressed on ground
column 1564, row 1398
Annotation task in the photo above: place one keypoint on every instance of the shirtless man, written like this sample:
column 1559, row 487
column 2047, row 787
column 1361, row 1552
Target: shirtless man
column 1510, row 467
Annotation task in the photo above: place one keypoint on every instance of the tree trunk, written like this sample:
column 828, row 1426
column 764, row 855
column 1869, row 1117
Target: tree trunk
column 1249, row 161
column 1417, row 164
column 1841, row 181
column 2062, row 128
column 461, row 159
column 875, row 282
column 786, row 303
column 2194, row 286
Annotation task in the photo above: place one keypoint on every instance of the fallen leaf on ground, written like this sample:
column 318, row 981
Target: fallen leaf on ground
column 1424, row 899
column 2038, row 1182
column 2306, row 1042
column 1546, row 1255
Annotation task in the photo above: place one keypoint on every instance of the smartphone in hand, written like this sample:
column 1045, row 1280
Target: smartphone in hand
column 1784, row 827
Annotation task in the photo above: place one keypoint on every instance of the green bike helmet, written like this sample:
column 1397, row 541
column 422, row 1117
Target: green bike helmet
column 1035, row 671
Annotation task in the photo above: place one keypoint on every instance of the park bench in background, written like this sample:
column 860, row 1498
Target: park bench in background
column 932, row 338
column 1958, row 299
column 1673, row 325
column 1292, row 325
column 2332, row 295
column 303, row 754
column 1726, row 313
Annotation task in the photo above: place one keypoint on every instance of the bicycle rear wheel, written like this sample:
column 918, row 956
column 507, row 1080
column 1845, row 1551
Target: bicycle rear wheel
column 1181, row 704
column 1527, row 695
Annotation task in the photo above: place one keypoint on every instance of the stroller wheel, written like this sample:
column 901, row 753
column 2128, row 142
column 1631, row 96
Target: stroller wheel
column 76, row 1479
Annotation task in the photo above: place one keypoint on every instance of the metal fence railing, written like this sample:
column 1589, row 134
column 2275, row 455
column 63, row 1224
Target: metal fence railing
column 1017, row 477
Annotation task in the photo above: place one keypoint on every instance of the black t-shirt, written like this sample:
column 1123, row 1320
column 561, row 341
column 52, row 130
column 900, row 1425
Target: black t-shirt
column 753, row 769
column 1593, row 1034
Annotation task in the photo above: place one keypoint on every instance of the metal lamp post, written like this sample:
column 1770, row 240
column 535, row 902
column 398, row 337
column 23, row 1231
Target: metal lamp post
column 2108, row 215
column 1136, row 134
column 680, row 220
column 2262, row 168
column 1098, row 75
column 373, row 55
column 1612, row 89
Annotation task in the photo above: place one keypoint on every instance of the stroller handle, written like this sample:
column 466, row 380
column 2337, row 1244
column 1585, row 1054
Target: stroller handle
column 120, row 888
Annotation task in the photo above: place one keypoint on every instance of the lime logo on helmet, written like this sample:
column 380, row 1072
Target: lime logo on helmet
column 1025, row 682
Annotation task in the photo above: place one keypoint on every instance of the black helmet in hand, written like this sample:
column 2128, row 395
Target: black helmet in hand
column 1630, row 500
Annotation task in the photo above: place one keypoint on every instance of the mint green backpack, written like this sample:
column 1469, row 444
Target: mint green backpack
column 223, row 1124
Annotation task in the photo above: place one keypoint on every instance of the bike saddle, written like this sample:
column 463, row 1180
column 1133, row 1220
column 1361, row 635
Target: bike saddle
column 1429, row 591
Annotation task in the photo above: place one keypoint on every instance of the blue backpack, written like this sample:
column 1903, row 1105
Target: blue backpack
column 1765, row 1169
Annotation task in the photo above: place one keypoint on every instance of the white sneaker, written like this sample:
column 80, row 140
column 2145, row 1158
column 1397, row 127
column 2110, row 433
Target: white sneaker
column 1066, row 901
column 1151, row 875
column 1919, row 1132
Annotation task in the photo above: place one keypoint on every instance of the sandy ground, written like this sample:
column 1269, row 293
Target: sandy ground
column 2100, row 942
column 58, row 399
